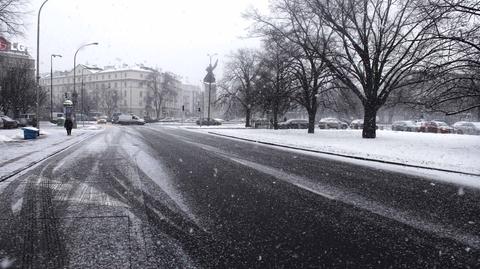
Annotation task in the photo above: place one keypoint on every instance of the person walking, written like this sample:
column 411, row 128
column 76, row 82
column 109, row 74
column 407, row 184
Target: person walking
column 68, row 125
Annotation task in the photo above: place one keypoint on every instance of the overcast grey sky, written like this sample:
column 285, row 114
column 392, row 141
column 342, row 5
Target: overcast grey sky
column 172, row 35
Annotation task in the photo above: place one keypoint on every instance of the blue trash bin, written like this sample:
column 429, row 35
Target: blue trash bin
column 30, row 133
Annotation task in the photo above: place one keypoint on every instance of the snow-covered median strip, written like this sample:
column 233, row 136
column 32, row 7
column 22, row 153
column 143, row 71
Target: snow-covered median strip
column 440, row 151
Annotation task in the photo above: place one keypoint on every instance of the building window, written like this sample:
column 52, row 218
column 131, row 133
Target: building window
column 109, row 76
column 125, row 93
column 141, row 93
column 125, row 84
column 115, row 75
column 115, row 84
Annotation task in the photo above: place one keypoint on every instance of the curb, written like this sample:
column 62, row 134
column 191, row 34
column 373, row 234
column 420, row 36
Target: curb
column 345, row 156
column 18, row 171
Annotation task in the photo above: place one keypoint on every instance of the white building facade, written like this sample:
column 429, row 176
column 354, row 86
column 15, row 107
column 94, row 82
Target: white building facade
column 109, row 90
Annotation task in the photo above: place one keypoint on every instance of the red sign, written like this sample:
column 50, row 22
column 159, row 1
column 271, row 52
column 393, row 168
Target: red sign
column 3, row 44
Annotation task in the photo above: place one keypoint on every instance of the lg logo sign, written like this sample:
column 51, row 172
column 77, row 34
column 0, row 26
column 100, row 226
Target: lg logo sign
column 7, row 46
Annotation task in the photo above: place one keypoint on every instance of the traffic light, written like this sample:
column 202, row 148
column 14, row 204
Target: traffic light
column 66, row 95
column 183, row 108
column 198, row 109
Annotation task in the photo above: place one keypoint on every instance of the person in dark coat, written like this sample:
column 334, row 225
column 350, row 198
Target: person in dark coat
column 68, row 125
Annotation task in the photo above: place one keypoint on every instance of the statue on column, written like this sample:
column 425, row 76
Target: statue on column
column 211, row 90
column 210, row 77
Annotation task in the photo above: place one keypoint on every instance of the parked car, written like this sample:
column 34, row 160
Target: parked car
column 405, row 125
column 149, row 119
column 115, row 117
column 205, row 121
column 293, row 124
column 27, row 118
column 21, row 122
column 332, row 123
column 356, row 124
column 57, row 116
column 8, row 123
column 465, row 127
column 435, row 127
column 168, row 119
column 130, row 119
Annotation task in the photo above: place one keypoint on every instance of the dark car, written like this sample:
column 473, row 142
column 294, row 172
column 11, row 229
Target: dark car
column 8, row 122
column 435, row 127
column 405, row 126
column 332, row 123
column 205, row 121
column 465, row 127
column 356, row 124
column 293, row 124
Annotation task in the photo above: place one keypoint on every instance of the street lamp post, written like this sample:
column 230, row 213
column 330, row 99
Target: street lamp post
column 51, row 83
column 209, row 88
column 75, row 79
column 38, row 67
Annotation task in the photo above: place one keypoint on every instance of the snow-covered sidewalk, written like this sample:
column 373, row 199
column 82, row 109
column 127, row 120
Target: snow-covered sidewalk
column 17, row 154
column 441, row 151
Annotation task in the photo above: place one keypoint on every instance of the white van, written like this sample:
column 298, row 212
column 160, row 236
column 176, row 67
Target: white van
column 127, row 119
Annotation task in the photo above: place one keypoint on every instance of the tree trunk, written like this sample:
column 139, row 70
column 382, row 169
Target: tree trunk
column 275, row 119
column 248, row 112
column 311, row 121
column 369, row 121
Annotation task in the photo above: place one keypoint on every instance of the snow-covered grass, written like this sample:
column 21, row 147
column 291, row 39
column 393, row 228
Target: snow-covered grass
column 444, row 151
column 17, row 153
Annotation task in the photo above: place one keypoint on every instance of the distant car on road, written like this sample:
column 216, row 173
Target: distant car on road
column 293, row 124
column 130, row 119
column 465, row 127
column 332, row 123
column 405, row 126
column 435, row 127
column 205, row 121
column 8, row 123
column 102, row 120
column 356, row 124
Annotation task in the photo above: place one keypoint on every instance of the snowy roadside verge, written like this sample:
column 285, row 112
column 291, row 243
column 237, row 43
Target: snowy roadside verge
column 18, row 154
column 460, row 153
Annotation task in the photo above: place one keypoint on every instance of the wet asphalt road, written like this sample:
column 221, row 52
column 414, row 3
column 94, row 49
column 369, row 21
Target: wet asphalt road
column 159, row 197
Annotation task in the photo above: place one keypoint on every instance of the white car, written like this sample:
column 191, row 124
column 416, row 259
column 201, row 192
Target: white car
column 128, row 119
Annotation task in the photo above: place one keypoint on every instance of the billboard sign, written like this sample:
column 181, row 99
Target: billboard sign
column 16, row 47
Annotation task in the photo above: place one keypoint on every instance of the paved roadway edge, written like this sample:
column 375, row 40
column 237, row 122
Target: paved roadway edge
column 345, row 156
column 18, row 171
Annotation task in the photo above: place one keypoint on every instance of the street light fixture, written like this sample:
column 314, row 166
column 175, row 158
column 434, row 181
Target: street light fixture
column 74, row 94
column 51, row 83
column 38, row 67
column 210, row 87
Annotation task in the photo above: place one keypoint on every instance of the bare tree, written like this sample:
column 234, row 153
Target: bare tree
column 239, row 84
column 376, row 45
column 17, row 90
column 162, row 86
column 306, row 40
column 454, row 85
column 109, row 99
column 276, row 91
column 10, row 16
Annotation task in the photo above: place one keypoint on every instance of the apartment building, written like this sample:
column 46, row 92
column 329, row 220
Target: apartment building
column 117, row 89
